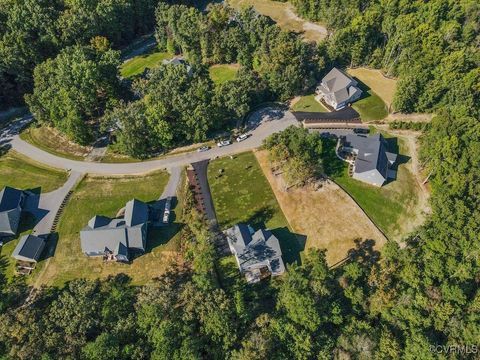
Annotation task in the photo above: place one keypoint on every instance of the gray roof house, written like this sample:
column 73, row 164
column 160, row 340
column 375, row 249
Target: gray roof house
column 178, row 61
column 338, row 89
column 11, row 201
column 257, row 253
column 117, row 238
column 29, row 249
column 373, row 161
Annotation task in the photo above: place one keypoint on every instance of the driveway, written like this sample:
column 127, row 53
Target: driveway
column 260, row 125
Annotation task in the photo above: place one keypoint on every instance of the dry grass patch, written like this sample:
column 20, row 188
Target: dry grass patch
column 54, row 142
column 374, row 79
column 328, row 217
column 283, row 14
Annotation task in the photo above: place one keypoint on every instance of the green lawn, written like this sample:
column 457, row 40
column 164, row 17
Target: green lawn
column 241, row 193
column 21, row 172
column 370, row 106
column 105, row 196
column 390, row 204
column 224, row 72
column 139, row 63
column 308, row 103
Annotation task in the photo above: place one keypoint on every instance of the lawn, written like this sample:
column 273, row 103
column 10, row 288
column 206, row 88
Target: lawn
column 374, row 79
column 370, row 106
column 308, row 103
column 105, row 196
column 391, row 206
column 241, row 193
column 139, row 63
column 223, row 72
column 335, row 229
column 51, row 140
column 283, row 14
column 21, row 172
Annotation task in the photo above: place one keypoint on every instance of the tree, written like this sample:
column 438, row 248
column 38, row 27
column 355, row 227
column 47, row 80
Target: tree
column 74, row 89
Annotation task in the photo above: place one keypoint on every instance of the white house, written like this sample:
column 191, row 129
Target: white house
column 338, row 89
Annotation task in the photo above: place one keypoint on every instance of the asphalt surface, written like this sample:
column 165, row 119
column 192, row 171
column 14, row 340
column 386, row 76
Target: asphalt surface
column 261, row 124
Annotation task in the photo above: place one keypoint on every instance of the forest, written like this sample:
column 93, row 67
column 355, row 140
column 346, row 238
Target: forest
column 397, row 304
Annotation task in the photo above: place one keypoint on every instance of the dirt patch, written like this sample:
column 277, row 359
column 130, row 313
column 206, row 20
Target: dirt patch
column 328, row 217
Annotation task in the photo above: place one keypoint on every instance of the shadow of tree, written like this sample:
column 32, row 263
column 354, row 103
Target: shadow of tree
column 364, row 253
column 260, row 217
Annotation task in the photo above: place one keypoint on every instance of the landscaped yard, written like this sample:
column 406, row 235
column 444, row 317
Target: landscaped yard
column 139, row 63
column 241, row 193
column 223, row 72
column 370, row 106
column 329, row 218
column 392, row 206
column 105, row 196
column 374, row 79
column 308, row 103
column 51, row 140
column 21, row 172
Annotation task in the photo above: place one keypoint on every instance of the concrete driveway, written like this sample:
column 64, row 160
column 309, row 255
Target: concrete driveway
column 260, row 125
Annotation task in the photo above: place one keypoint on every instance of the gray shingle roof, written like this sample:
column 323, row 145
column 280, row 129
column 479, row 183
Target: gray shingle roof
column 116, row 235
column 372, row 153
column 10, row 198
column 255, row 249
column 338, row 85
column 29, row 248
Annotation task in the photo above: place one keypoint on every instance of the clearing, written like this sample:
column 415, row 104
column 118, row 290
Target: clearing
column 23, row 173
column 284, row 15
column 105, row 196
column 370, row 106
column 328, row 217
column 375, row 80
column 396, row 207
column 223, row 72
column 241, row 193
column 307, row 103
column 138, row 64
column 53, row 141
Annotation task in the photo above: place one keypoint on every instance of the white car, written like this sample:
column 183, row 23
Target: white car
column 242, row 137
column 224, row 143
column 203, row 149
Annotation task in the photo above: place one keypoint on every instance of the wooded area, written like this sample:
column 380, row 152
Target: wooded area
column 388, row 306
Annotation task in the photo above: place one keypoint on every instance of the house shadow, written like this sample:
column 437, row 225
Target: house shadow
column 31, row 205
column 158, row 236
column 50, row 246
column 365, row 89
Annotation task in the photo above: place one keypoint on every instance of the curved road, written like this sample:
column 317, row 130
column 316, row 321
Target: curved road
column 262, row 124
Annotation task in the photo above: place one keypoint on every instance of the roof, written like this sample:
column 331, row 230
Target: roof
column 347, row 114
column 29, row 248
column 7, row 221
column 372, row 152
column 136, row 212
column 119, row 234
column 255, row 249
column 10, row 198
column 338, row 86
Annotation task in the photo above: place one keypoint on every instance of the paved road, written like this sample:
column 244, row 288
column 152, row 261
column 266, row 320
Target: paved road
column 46, row 206
column 262, row 124
column 173, row 182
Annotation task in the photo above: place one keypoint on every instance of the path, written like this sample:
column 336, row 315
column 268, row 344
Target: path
column 262, row 124
column 173, row 182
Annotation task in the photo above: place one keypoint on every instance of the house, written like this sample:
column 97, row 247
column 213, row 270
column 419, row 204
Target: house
column 29, row 249
column 11, row 202
column 117, row 239
column 372, row 160
column 258, row 253
column 337, row 89
column 178, row 61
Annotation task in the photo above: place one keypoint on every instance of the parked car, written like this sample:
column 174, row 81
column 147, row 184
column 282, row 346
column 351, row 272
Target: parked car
column 224, row 143
column 242, row 137
column 203, row 148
